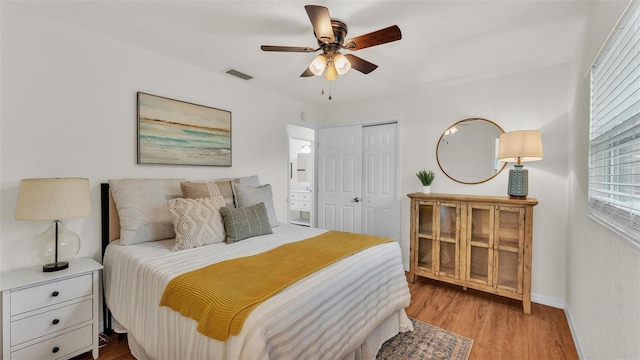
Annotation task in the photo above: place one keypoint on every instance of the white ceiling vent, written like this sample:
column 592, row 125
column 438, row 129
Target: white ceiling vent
column 238, row 74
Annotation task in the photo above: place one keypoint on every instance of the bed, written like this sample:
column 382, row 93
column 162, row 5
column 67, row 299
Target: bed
column 346, row 310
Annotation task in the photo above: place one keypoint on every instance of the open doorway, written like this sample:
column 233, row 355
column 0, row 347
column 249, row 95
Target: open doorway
column 301, row 176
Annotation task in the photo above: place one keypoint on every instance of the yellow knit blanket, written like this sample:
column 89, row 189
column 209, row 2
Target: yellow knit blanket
column 221, row 296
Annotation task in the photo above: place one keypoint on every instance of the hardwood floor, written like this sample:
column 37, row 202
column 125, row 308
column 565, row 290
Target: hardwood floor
column 497, row 325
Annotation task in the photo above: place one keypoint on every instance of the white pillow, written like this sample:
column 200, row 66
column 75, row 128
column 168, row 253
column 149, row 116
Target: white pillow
column 197, row 222
column 249, row 195
column 143, row 210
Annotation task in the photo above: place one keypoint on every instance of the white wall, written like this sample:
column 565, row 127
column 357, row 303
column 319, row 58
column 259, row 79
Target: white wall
column 535, row 99
column 69, row 109
column 603, row 270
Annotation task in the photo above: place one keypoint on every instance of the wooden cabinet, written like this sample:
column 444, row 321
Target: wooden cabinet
column 481, row 242
column 50, row 315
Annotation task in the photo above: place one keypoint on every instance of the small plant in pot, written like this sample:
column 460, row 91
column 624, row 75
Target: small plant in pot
column 426, row 178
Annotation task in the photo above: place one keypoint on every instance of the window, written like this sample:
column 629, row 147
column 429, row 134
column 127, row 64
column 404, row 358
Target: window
column 614, row 155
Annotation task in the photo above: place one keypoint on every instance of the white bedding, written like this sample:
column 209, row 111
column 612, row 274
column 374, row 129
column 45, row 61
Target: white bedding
column 346, row 310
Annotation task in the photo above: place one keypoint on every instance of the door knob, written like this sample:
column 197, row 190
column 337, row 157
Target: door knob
column 357, row 199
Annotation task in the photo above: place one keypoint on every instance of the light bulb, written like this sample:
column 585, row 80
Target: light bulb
column 318, row 65
column 341, row 63
column 331, row 73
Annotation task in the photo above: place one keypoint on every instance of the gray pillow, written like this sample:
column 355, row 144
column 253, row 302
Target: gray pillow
column 249, row 195
column 243, row 223
column 143, row 210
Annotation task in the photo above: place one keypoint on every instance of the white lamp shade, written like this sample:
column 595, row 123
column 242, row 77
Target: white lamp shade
column 341, row 63
column 525, row 145
column 331, row 73
column 318, row 65
column 53, row 199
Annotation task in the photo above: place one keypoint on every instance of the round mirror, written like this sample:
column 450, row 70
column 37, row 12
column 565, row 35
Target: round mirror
column 468, row 151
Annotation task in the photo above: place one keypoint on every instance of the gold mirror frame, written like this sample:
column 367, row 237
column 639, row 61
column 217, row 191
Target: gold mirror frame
column 463, row 158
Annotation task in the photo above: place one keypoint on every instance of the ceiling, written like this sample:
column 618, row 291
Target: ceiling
column 443, row 42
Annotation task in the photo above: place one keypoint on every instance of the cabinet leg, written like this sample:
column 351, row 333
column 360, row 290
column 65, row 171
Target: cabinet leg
column 412, row 277
column 526, row 306
column 464, row 288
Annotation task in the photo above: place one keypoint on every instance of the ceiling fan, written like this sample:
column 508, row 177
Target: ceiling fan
column 331, row 33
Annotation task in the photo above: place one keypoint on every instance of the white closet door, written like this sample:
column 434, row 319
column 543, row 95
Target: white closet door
column 340, row 178
column 379, row 199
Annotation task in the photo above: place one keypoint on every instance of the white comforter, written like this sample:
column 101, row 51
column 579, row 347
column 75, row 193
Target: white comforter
column 335, row 313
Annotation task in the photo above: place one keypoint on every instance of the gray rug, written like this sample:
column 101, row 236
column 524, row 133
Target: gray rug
column 426, row 342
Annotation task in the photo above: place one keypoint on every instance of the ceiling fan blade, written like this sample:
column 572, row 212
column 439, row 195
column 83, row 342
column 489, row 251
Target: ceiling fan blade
column 321, row 21
column 360, row 64
column 307, row 73
column 287, row 48
column 382, row 36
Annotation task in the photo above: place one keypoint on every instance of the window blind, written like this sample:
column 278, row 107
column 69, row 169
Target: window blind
column 614, row 154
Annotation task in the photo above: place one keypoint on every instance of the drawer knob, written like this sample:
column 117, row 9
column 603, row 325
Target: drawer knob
column 55, row 321
column 55, row 349
column 55, row 293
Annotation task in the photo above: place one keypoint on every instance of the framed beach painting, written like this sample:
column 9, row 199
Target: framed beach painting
column 181, row 133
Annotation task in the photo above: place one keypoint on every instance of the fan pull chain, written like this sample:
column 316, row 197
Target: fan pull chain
column 329, row 90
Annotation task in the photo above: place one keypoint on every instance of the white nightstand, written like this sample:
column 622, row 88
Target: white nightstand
column 50, row 315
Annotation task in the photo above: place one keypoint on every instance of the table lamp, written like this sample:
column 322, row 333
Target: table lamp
column 54, row 199
column 519, row 146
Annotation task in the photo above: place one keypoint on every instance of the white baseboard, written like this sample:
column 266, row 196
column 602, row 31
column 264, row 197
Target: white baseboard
column 574, row 333
column 549, row 301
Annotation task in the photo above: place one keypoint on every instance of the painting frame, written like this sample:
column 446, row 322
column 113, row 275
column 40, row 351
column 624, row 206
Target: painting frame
column 175, row 132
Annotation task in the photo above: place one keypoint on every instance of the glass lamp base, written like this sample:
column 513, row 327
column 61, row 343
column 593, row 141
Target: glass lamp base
column 55, row 247
column 60, row 265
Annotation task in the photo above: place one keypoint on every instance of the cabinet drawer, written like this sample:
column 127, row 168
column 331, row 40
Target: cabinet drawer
column 57, row 347
column 301, row 196
column 42, row 324
column 39, row 296
column 305, row 205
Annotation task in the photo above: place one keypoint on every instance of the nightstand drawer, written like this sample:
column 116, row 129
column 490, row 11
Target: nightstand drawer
column 52, row 293
column 58, row 346
column 301, row 196
column 49, row 322
column 306, row 205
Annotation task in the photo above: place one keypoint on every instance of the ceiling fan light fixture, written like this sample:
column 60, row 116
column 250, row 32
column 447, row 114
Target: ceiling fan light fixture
column 341, row 64
column 331, row 73
column 318, row 65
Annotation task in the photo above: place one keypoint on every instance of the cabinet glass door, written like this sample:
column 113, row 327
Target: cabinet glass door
column 448, row 240
column 479, row 244
column 507, row 257
column 426, row 212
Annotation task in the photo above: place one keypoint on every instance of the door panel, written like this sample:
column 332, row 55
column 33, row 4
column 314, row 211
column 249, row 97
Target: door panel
column 379, row 193
column 340, row 180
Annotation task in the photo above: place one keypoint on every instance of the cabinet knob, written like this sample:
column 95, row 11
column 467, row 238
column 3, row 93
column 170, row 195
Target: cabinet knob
column 55, row 349
column 55, row 293
column 55, row 321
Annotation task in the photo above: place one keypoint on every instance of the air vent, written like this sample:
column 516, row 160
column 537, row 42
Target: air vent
column 238, row 74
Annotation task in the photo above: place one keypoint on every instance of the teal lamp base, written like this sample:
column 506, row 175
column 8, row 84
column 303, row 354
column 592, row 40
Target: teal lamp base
column 518, row 182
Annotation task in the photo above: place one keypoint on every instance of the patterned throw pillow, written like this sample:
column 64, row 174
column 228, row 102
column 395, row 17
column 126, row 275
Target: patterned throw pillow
column 142, row 208
column 197, row 222
column 243, row 223
column 249, row 195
